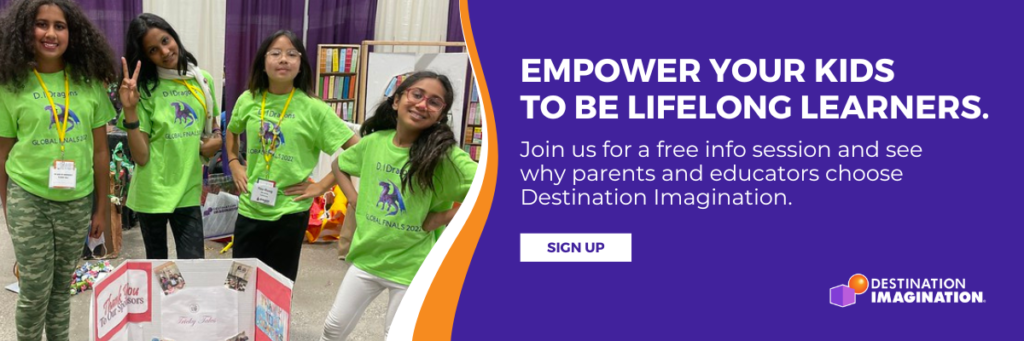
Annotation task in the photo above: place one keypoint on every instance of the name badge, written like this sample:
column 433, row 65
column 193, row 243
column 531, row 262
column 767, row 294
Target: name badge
column 264, row 192
column 63, row 175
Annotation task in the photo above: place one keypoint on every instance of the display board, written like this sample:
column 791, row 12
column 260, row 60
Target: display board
column 191, row 300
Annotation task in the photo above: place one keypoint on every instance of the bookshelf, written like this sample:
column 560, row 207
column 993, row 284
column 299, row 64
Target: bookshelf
column 337, row 77
column 472, row 139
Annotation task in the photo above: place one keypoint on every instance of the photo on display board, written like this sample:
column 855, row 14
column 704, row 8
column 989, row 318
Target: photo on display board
column 170, row 278
column 270, row 318
column 238, row 276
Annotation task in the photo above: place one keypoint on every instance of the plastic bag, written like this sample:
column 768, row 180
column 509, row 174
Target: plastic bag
column 220, row 210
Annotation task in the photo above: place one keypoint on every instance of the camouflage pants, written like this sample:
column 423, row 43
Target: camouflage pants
column 48, row 238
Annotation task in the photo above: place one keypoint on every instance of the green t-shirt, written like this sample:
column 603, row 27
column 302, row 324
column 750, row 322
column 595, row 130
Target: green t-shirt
column 26, row 115
column 309, row 127
column 389, row 241
column 174, row 119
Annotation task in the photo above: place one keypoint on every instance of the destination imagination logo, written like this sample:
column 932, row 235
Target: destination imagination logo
column 904, row 290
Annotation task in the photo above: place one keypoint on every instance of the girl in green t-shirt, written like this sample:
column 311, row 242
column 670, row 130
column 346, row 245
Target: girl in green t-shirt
column 286, row 130
column 54, row 161
column 169, row 114
column 410, row 172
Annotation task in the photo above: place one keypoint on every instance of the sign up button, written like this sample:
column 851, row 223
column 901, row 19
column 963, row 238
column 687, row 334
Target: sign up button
column 576, row 247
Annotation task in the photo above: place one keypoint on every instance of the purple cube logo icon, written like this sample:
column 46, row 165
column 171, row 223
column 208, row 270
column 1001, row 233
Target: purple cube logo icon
column 846, row 295
column 842, row 296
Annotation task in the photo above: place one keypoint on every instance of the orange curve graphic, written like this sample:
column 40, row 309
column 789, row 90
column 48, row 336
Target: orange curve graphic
column 437, row 316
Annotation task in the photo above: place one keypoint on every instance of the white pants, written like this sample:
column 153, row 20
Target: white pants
column 357, row 290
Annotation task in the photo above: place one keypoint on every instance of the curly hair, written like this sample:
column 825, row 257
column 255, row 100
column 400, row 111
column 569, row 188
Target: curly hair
column 432, row 145
column 88, row 52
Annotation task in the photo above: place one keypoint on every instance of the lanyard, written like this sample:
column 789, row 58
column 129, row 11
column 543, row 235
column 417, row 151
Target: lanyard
column 268, row 153
column 61, row 127
column 202, row 100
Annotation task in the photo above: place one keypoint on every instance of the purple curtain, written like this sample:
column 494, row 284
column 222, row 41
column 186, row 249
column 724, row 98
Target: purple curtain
column 112, row 17
column 454, row 25
column 339, row 22
column 248, row 23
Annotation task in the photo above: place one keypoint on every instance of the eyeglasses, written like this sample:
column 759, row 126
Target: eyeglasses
column 417, row 95
column 278, row 53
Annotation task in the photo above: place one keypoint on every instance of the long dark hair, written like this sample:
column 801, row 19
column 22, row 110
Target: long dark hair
column 258, row 79
column 134, row 50
column 87, row 53
column 433, row 143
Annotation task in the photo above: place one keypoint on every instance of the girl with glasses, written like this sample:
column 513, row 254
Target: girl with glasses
column 54, row 107
column 169, row 112
column 411, row 171
column 286, row 128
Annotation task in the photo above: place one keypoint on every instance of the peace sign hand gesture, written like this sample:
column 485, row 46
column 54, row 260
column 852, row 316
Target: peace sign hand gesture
column 128, row 92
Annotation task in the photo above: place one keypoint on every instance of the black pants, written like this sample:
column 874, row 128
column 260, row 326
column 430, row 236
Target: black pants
column 276, row 243
column 128, row 218
column 187, row 227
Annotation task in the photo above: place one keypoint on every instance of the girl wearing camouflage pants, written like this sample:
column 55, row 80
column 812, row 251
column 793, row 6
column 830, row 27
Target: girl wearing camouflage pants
column 54, row 65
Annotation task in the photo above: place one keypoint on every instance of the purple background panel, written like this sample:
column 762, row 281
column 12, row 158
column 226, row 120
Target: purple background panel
column 695, row 272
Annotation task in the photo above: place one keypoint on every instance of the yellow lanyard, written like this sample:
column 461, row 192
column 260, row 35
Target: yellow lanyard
column 268, row 153
column 201, row 99
column 61, row 127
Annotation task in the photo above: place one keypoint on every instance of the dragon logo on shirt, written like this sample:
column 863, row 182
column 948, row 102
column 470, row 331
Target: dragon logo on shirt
column 184, row 114
column 390, row 198
column 271, row 133
column 73, row 121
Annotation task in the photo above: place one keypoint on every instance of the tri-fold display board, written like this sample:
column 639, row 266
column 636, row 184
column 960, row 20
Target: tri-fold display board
column 191, row 300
